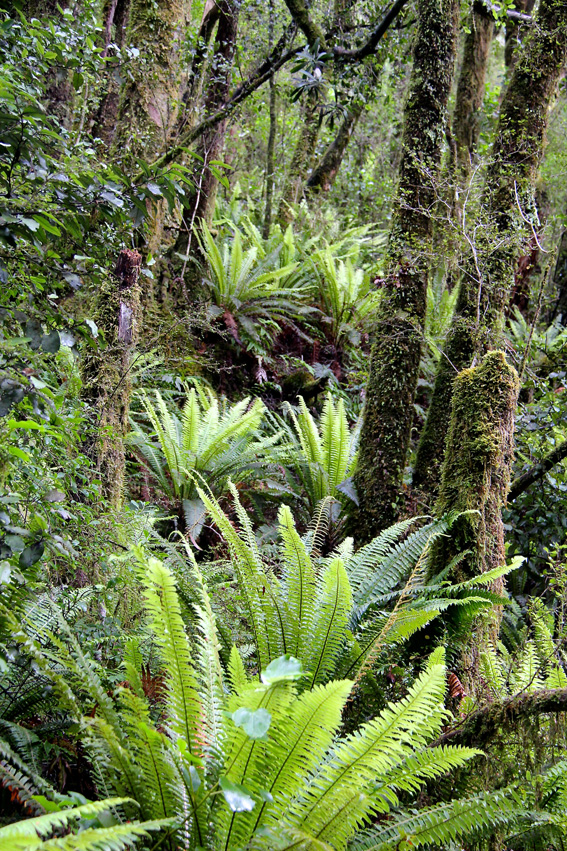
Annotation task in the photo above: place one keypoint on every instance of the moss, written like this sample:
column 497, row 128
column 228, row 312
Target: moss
column 507, row 200
column 398, row 334
column 106, row 382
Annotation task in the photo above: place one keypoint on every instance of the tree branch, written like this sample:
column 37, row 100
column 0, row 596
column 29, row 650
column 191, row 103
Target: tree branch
column 480, row 727
column 371, row 44
column 538, row 471
column 312, row 31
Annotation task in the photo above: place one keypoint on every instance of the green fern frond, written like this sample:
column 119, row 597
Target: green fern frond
column 333, row 606
column 183, row 703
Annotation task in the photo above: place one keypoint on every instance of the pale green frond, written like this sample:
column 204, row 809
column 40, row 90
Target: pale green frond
column 45, row 824
column 183, row 703
column 377, row 747
column 440, row 824
column 298, row 584
column 492, row 670
column 115, row 838
column 237, row 672
column 333, row 606
column 191, row 423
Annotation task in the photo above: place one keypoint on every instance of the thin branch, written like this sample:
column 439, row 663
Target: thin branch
column 369, row 47
column 538, row 471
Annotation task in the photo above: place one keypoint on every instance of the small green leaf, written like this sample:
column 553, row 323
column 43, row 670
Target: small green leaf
column 32, row 554
column 237, row 797
column 282, row 668
column 51, row 342
column 254, row 723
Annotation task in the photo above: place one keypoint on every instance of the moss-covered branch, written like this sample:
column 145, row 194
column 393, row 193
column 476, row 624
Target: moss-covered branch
column 480, row 728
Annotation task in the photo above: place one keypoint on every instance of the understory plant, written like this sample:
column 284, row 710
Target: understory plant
column 254, row 296
column 322, row 453
column 236, row 762
column 340, row 613
column 207, row 437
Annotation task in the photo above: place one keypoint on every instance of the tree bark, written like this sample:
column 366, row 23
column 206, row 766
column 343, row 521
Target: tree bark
column 324, row 175
column 107, row 384
column 396, row 353
column 515, row 30
column 301, row 162
column 271, row 149
column 148, row 105
column 508, row 215
column 470, row 90
column 474, row 482
column 115, row 16
column 560, row 281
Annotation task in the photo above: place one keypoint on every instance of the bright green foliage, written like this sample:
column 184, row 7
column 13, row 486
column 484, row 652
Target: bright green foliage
column 34, row 833
column 538, row 664
column 260, row 764
column 338, row 614
column 258, row 294
column 325, row 452
column 344, row 295
column 207, row 438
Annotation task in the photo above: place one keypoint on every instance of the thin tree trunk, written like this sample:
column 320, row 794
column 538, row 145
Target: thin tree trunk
column 104, row 122
column 515, row 31
column 396, row 354
column 271, row 150
column 324, row 175
column 106, row 374
column 560, row 281
column 301, row 162
column 508, row 215
column 470, row 90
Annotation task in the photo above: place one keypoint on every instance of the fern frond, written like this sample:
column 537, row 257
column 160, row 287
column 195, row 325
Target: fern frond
column 183, row 704
column 327, row 635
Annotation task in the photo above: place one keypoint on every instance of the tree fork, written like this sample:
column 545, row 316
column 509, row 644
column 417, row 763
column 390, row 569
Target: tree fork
column 507, row 209
column 394, row 368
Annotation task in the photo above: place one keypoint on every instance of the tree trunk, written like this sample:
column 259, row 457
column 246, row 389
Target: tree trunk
column 515, row 30
column 271, row 150
column 507, row 205
column 475, row 479
column 301, row 162
column 149, row 100
column 107, row 384
column 470, row 90
column 560, row 281
column 115, row 17
column 326, row 172
column 396, row 354
column 270, row 160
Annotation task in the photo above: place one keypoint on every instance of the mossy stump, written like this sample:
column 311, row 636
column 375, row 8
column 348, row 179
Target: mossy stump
column 106, row 374
column 475, row 479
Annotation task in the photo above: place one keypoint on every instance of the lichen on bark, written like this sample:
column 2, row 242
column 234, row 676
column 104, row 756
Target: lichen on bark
column 398, row 331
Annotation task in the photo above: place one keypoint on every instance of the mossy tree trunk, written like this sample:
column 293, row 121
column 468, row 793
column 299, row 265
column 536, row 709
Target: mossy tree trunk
column 398, row 334
column 271, row 147
column 324, row 175
column 149, row 100
column 470, row 90
column 475, row 479
column 515, row 32
column 107, row 384
column 507, row 208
